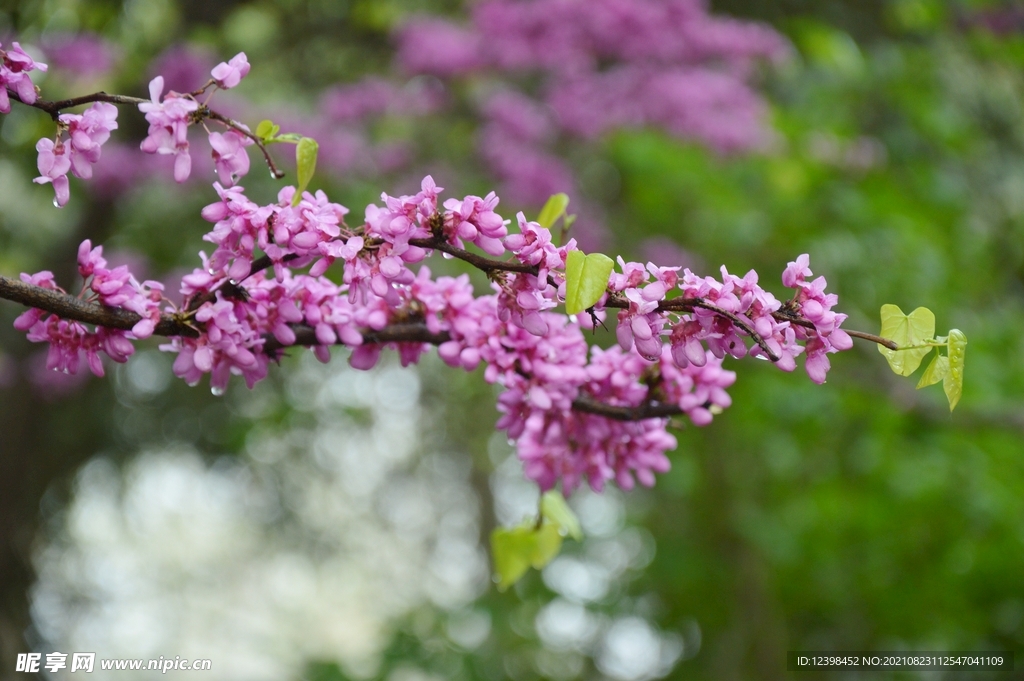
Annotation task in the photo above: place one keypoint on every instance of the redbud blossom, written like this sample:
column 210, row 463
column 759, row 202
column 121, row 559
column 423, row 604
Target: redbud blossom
column 168, row 126
column 87, row 133
column 231, row 73
column 54, row 163
column 14, row 67
column 229, row 155
column 541, row 359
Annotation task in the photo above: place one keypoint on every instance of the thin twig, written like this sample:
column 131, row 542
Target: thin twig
column 743, row 324
column 393, row 333
column 258, row 265
column 807, row 324
column 873, row 338
column 54, row 108
column 481, row 263
column 688, row 304
column 646, row 410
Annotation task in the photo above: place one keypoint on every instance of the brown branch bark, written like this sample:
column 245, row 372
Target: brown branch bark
column 69, row 307
column 481, row 263
column 55, row 108
column 647, row 410
column 688, row 304
column 393, row 333
column 807, row 324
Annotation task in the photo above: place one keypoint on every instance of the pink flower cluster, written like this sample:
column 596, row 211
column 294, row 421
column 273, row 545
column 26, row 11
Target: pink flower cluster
column 87, row 133
column 673, row 332
column 702, row 328
column 577, row 413
column 169, row 118
column 69, row 340
column 816, row 307
column 170, row 115
column 15, row 65
column 229, row 74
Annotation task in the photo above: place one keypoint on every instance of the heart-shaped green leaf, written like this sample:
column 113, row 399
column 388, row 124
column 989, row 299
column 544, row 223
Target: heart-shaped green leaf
column 305, row 161
column 547, row 544
column 906, row 331
column 552, row 210
column 953, row 382
column 515, row 550
column 586, row 278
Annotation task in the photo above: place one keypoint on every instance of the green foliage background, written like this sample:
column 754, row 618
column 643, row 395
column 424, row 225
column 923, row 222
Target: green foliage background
column 858, row 515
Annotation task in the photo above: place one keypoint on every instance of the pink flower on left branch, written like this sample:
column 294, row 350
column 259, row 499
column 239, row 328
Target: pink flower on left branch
column 168, row 126
column 87, row 133
column 70, row 340
column 14, row 67
column 54, row 163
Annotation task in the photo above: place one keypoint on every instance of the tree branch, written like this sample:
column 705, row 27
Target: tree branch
column 646, row 410
column 54, row 108
column 481, row 263
column 393, row 333
column 69, row 307
column 688, row 304
column 807, row 324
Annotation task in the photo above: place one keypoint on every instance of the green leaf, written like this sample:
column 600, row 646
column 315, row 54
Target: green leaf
column 586, row 278
column 305, row 160
column 267, row 130
column 552, row 210
column 554, row 508
column 289, row 137
column 517, row 549
column 906, row 331
column 953, row 383
column 547, row 544
column 935, row 372
column 511, row 549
